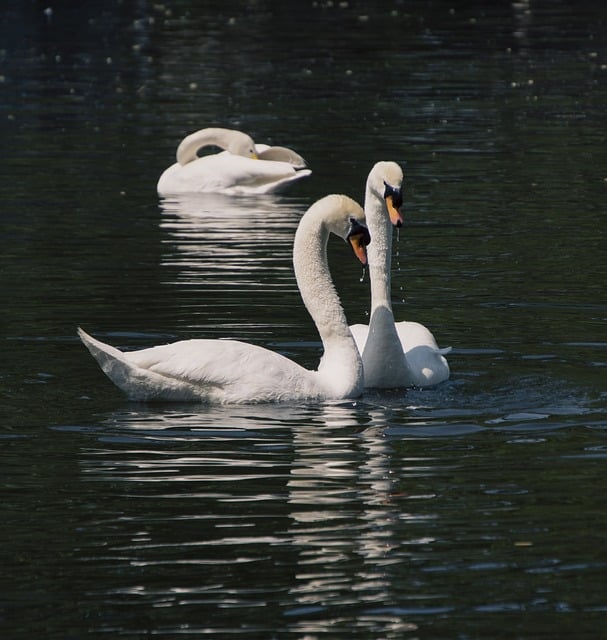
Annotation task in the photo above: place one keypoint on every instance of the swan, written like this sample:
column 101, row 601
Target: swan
column 400, row 354
column 242, row 168
column 229, row 371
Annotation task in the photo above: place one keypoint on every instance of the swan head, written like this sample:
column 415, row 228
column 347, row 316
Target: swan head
column 386, row 183
column 345, row 218
column 241, row 144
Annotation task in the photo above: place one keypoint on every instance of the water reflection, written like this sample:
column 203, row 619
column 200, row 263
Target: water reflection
column 324, row 507
column 343, row 517
column 217, row 232
column 228, row 260
column 334, row 516
column 445, row 510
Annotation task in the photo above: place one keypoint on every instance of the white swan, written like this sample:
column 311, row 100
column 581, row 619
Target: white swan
column 398, row 354
column 242, row 168
column 228, row 371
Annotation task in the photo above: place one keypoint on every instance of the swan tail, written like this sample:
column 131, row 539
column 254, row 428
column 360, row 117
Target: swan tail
column 111, row 360
column 105, row 354
column 136, row 382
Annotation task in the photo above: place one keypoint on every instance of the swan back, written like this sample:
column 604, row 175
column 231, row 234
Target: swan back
column 426, row 360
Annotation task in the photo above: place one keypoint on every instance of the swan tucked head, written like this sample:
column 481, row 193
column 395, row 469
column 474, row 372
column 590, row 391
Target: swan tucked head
column 386, row 182
column 240, row 144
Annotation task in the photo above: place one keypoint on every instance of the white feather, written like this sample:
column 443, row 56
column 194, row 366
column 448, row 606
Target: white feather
column 242, row 168
column 228, row 371
column 398, row 354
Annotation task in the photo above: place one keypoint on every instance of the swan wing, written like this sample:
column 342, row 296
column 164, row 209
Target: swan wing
column 413, row 334
column 359, row 333
column 218, row 371
column 262, row 176
column 427, row 365
column 228, row 173
column 425, row 358
column 281, row 154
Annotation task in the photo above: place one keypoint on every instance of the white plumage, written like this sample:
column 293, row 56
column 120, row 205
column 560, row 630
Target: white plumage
column 400, row 354
column 243, row 167
column 228, row 371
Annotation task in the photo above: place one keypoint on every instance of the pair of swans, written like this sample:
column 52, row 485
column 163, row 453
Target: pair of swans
column 242, row 168
column 227, row 371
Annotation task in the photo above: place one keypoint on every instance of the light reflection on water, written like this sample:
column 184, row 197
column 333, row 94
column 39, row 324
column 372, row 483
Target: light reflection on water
column 363, row 509
column 475, row 509
column 237, row 236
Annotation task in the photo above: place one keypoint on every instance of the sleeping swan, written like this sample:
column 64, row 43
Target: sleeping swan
column 242, row 168
column 400, row 354
column 229, row 371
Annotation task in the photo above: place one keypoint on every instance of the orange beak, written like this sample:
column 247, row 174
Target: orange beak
column 358, row 242
column 395, row 215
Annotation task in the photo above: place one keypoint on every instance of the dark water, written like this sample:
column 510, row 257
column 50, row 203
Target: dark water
column 473, row 510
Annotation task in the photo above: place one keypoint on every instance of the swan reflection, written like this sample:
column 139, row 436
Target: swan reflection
column 227, row 262
column 304, row 494
column 227, row 237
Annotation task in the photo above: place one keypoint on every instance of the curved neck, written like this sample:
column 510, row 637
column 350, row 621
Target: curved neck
column 379, row 251
column 341, row 360
column 314, row 279
column 214, row 136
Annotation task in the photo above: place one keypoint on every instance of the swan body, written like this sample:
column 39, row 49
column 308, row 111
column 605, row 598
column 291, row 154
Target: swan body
column 229, row 371
column 398, row 354
column 243, row 167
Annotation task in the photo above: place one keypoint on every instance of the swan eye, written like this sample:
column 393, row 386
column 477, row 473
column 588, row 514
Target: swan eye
column 394, row 201
column 358, row 237
column 395, row 194
column 360, row 230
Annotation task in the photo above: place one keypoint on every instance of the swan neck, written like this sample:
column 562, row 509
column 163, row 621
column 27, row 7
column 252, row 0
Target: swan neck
column 188, row 149
column 314, row 279
column 341, row 361
column 379, row 251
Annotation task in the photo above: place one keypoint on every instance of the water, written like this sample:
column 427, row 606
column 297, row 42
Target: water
column 473, row 510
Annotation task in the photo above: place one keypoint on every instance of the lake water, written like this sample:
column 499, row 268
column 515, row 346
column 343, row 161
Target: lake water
column 472, row 510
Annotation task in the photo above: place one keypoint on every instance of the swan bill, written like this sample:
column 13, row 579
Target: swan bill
column 394, row 201
column 359, row 238
column 396, row 217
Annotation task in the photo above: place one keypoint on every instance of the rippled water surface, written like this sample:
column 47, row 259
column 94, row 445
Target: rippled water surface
column 472, row 510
